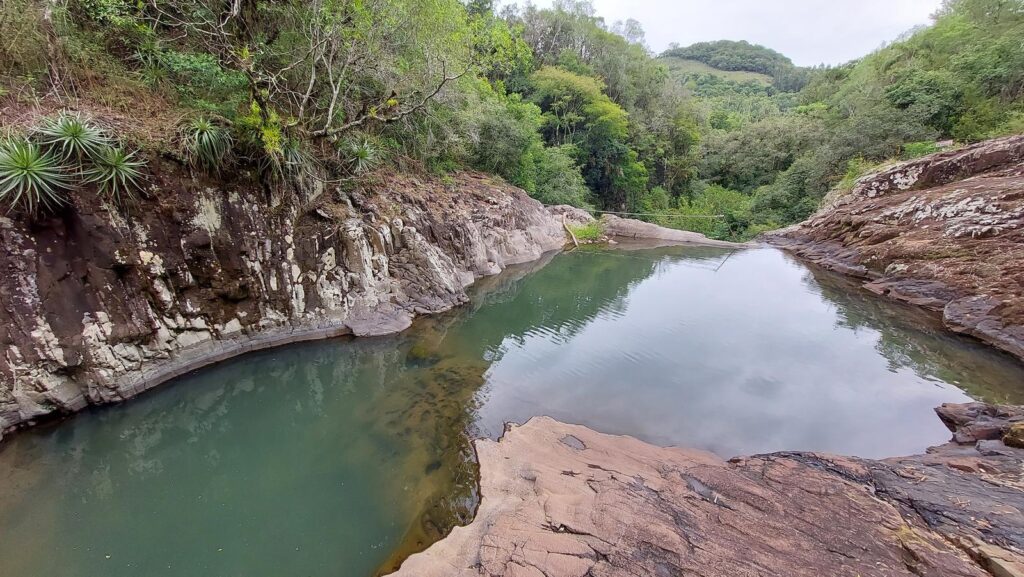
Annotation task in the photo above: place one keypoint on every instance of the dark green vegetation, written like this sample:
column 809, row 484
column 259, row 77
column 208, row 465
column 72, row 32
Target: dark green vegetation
column 553, row 100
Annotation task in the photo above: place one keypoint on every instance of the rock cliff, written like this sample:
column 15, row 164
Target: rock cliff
column 101, row 302
column 945, row 232
column 561, row 500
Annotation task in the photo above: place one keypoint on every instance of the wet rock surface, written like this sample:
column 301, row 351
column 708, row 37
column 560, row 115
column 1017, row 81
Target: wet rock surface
column 945, row 232
column 562, row 500
column 101, row 303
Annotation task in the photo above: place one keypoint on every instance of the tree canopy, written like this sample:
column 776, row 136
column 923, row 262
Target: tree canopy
column 555, row 100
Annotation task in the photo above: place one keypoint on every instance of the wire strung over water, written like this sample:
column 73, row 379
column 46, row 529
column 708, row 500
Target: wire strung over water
column 667, row 215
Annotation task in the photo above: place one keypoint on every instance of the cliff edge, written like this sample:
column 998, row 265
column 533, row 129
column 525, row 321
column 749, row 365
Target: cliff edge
column 102, row 302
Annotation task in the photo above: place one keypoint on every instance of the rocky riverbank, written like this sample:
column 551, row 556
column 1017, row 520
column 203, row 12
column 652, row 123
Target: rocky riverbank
column 564, row 501
column 103, row 302
column 945, row 232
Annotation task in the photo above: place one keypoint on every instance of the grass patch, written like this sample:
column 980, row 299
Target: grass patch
column 589, row 232
column 681, row 68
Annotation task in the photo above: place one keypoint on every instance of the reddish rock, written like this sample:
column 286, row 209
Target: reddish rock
column 561, row 500
column 945, row 232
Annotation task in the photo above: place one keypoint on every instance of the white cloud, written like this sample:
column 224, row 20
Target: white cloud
column 808, row 31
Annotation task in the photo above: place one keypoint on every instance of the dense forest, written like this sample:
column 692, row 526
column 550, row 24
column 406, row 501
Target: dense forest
column 556, row 101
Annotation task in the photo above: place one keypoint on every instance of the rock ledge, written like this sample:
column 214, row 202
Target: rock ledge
column 564, row 501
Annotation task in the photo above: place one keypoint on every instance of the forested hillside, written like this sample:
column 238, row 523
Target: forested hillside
column 556, row 101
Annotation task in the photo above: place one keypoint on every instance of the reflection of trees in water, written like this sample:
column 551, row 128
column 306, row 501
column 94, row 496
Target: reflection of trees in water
column 909, row 337
column 408, row 400
column 561, row 300
column 558, row 300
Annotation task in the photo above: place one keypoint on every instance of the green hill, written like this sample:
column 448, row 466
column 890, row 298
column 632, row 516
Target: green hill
column 682, row 69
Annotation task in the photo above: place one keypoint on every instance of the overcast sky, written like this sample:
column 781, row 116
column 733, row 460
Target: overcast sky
column 808, row 31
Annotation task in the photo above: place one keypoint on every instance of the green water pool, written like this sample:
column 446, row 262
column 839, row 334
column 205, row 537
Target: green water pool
column 338, row 458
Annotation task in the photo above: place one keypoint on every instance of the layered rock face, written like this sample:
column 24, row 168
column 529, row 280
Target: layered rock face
column 101, row 303
column 564, row 501
column 945, row 232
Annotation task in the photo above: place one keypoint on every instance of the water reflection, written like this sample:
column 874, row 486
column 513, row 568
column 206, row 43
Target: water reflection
column 341, row 457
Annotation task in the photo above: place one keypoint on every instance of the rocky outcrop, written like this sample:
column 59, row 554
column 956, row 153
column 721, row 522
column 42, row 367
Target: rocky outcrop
column 561, row 500
column 945, row 232
column 101, row 303
column 615, row 226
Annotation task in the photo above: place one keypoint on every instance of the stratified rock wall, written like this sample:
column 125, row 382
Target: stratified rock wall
column 945, row 232
column 561, row 500
column 101, row 303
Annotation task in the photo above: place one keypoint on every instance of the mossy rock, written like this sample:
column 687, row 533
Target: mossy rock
column 421, row 354
column 1015, row 436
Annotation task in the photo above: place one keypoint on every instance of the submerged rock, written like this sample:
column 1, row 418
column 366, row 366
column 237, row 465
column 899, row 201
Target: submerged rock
column 564, row 501
column 945, row 232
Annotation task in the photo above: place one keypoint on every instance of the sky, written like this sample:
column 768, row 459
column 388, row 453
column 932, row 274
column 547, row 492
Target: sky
column 808, row 31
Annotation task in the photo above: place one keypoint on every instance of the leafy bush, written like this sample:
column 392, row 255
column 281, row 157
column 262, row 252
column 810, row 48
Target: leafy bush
column 558, row 179
column 31, row 178
column 913, row 150
column 589, row 232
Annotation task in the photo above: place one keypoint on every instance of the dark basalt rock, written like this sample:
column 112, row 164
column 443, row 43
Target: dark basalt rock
column 100, row 303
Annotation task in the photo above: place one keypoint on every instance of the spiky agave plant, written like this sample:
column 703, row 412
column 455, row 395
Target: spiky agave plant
column 72, row 136
column 363, row 156
column 207, row 144
column 30, row 177
column 297, row 161
column 116, row 172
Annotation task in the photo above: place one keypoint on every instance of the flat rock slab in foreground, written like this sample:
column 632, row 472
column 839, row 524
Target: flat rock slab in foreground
column 561, row 500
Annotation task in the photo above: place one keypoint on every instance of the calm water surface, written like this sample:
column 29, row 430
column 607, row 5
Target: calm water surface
column 338, row 458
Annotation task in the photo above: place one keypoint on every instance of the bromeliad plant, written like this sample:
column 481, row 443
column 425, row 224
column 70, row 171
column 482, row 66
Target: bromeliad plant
column 116, row 172
column 72, row 136
column 37, row 172
column 363, row 156
column 30, row 177
column 206, row 144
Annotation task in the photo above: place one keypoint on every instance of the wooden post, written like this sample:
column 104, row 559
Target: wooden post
column 569, row 230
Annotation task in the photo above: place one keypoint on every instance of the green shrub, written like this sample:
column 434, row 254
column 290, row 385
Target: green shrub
column 912, row 150
column 859, row 167
column 558, row 179
column 589, row 232
column 30, row 177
